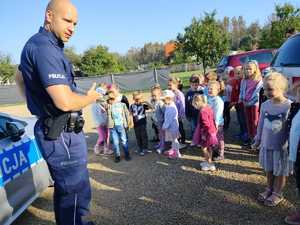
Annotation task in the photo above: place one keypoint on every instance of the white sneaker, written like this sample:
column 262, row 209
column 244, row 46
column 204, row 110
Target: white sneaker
column 158, row 151
column 179, row 154
column 182, row 146
column 192, row 144
column 204, row 163
column 212, row 167
column 205, row 167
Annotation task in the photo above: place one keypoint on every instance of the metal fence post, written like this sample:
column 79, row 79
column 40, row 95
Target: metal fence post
column 155, row 76
column 112, row 78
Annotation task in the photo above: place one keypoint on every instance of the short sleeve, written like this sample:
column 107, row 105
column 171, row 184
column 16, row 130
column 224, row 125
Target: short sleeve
column 50, row 67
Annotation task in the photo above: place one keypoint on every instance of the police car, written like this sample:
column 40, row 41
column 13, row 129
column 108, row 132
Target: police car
column 23, row 171
column 287, row 60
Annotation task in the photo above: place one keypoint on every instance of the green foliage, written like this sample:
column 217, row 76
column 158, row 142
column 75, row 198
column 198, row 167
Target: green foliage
column 179, row 57
column 205, row 40
column 7, row 70
column 149, row 54
column 246, row 43
column 274, row 34
column 74, row 58
column 98, row 61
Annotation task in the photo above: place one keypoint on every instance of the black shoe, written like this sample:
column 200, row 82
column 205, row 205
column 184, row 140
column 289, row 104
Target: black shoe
column 247, row 143
column 127, row 157
column 154, row 140
column 117, row 159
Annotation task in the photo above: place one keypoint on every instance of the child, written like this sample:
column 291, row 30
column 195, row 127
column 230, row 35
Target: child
column 208, row 77
column 138, row 112
column 249, row 96
column 294, row 147
column 272, row 137
column 206, row 132
column 180, row 84
column 238, row 105
column 227, row 105
column 158, row 116
column 100, row 117
column 191, row 112
column 217, row 105
column 119, row 97
column 180, row 104
column 118, row 120
column 171, row 125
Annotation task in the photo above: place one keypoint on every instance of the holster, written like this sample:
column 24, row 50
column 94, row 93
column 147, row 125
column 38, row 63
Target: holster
column 53, row 126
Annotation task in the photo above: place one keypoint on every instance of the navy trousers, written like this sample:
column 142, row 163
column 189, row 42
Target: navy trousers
column 67, row 161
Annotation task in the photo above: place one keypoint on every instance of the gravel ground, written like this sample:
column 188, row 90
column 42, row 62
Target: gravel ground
column 153, row 190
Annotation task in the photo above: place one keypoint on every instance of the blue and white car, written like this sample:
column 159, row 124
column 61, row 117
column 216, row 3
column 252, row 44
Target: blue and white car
column 24, row 173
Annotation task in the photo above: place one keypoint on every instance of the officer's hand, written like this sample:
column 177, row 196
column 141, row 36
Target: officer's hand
column 93, row 93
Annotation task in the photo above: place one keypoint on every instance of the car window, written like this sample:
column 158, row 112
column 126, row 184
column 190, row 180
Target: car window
column 289, row 53
column 3, row 121
column 262, row 57
column 3, row 133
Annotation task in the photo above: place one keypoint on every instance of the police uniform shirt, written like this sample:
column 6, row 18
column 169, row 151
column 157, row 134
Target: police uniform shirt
column 44, row 64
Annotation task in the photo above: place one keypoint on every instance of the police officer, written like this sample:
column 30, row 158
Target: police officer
column 45, row 75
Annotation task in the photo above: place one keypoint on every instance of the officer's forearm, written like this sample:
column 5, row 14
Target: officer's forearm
column 20, row 83
column 66, row 100
column 77, row 102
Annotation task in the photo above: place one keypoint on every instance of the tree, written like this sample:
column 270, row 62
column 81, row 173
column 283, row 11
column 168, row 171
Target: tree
column 98, row 61
column 254, row 30
column 246, row 43
column 238, row 31
column 74, row 58
column 205, row 40
column 179, row 57
column 7, row 70
column 274, row 33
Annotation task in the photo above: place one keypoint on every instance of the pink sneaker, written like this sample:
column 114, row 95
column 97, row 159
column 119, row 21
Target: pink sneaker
column 108, row 151
column 167, row 153
column 96, row 150
column 173, row 155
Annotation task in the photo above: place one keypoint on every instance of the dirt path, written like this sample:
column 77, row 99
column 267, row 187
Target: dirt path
column 154, row 190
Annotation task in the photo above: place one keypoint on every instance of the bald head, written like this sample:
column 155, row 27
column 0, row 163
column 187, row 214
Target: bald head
column 56, row 5
column 61, row 19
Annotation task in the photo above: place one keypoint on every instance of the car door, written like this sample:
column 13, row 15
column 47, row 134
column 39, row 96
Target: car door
column 23, row 171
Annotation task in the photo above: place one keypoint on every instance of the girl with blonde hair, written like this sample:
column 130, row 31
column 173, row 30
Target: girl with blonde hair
column 272, row 139
column 249, row 96
column 206, row 132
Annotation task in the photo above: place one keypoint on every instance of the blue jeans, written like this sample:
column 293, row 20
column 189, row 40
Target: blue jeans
column 193, row 122
column 116, row 133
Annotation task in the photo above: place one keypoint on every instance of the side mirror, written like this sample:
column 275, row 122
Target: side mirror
column 15, row 130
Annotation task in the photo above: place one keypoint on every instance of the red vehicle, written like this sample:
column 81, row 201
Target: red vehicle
column 262, row 56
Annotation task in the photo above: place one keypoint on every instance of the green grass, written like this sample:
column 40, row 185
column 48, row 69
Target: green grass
column 185, row 76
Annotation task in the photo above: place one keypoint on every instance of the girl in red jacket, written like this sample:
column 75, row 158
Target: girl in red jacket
column 206, row 132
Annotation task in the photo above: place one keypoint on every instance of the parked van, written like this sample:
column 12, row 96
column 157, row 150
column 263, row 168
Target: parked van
column 229, row 62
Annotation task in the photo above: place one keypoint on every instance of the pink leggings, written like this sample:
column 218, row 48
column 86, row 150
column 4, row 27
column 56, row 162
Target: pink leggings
column 103, row 135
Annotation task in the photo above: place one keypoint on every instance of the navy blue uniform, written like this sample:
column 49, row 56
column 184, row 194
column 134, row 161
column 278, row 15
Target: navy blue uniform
column 44, row 64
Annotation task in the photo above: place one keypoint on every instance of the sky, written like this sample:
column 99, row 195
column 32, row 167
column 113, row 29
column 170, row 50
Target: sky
column 120, row 25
